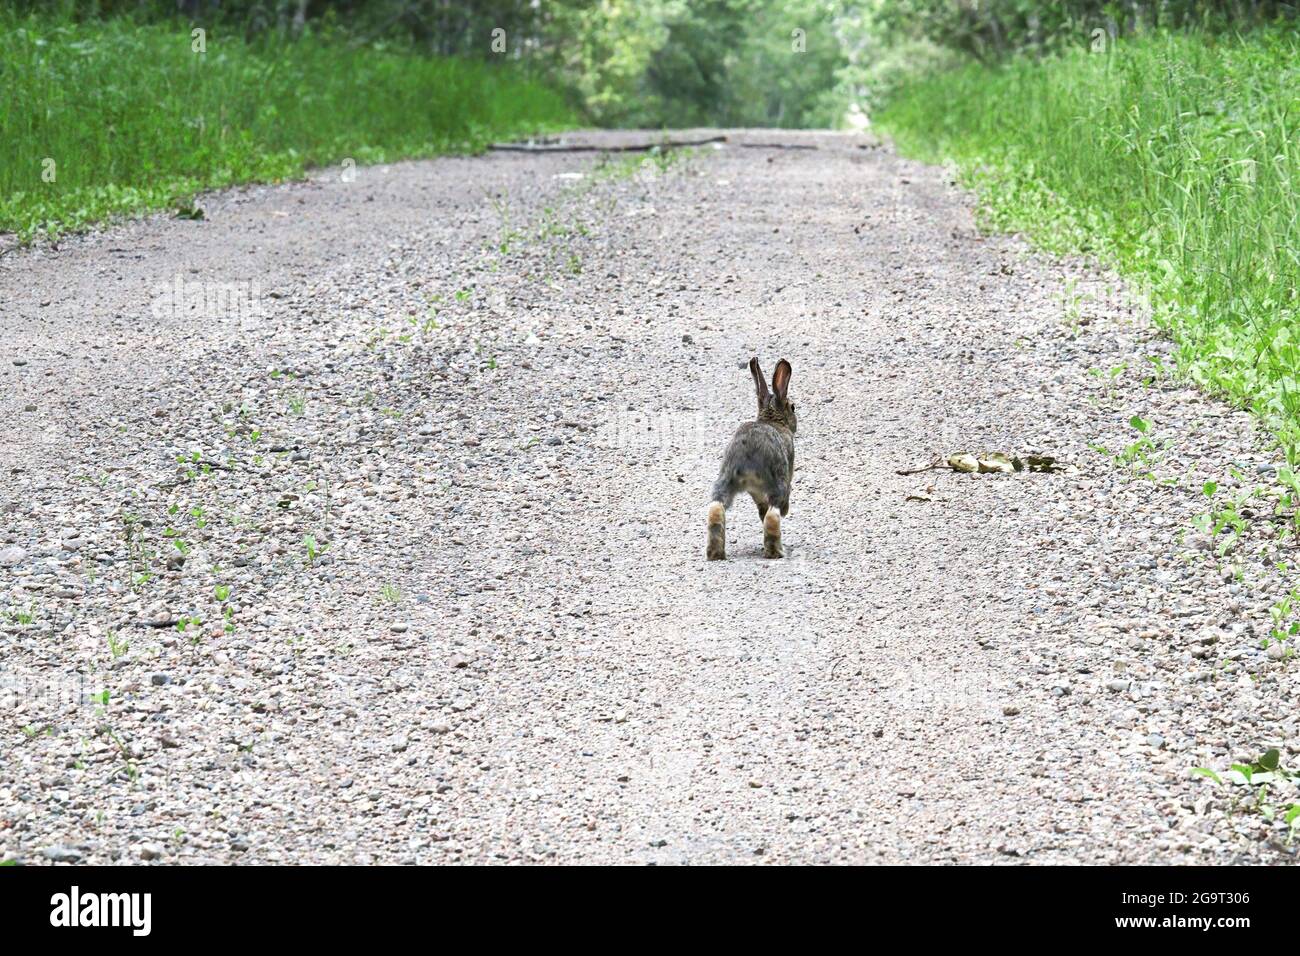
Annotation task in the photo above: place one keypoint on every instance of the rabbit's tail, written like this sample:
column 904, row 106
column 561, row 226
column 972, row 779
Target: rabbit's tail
column 725, row 489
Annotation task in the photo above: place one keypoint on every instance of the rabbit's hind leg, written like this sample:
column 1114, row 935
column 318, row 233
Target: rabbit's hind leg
column 724, row 492
column 772, row 534
column 716, row 549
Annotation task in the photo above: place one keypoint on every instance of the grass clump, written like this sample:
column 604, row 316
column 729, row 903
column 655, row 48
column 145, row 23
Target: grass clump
column 108, row 117
column 1174, row 158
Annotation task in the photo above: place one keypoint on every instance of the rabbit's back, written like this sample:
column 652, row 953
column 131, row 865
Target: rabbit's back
column 758, row 461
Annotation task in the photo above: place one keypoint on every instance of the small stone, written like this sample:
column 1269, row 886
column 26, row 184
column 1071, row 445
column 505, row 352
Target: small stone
column 11, row 556
column 62, row 854
column 1276, row 651
column 159, row 680
column 1156, row 741
column 399, row 628
column 1010, row 710
column 150, row 851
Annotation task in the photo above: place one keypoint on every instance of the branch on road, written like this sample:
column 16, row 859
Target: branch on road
column 582, row 148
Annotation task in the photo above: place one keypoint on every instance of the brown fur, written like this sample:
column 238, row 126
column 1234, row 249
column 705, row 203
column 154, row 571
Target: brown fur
column 760, row 462
column 772, row 534
column 717, row 524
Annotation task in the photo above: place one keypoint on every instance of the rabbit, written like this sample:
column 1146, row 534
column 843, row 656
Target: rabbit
column 759, row 460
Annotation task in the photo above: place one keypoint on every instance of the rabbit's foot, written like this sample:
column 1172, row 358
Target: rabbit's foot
column 772, row 534
column 717, row 548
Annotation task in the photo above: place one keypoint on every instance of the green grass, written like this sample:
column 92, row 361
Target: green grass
column 132, row 119
column 1175, row 159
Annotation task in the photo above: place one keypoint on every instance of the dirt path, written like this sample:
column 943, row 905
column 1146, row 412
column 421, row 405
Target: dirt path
column 495, row 392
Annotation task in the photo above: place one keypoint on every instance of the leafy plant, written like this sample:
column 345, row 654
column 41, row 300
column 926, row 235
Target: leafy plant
column 116, row 646
column 1139, row 455
column 1258, row 785
column 313, row 549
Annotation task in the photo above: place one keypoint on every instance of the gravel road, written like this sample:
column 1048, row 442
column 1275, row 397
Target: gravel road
column 363, row 521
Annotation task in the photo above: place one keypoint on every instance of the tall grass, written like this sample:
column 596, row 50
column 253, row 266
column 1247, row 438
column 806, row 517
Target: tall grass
column 1174, row 157
column 125, row 116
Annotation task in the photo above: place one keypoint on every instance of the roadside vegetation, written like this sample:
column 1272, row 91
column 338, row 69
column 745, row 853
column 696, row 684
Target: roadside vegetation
column 1174, row 157
column 104, row 117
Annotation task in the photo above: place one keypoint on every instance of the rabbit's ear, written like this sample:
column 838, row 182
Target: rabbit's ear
column 781, row 379
column 760, row 383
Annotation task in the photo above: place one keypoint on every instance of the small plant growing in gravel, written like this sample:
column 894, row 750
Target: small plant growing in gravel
column 222, row 594
column 1287, row 491
column 26, row 617
column 1138, row 456
column 1109, row 378
column 298, row 405
column 193, row 465
column 177, row 541
column 506, row 236
column 1071, row 302
column 1158, row 371
column 116, row 646
column 1260, row 783
column 139, row 556
column 109, row 732
column 1281, row 613
column 1225, row 517
column 391, row 593
column 313, row 548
